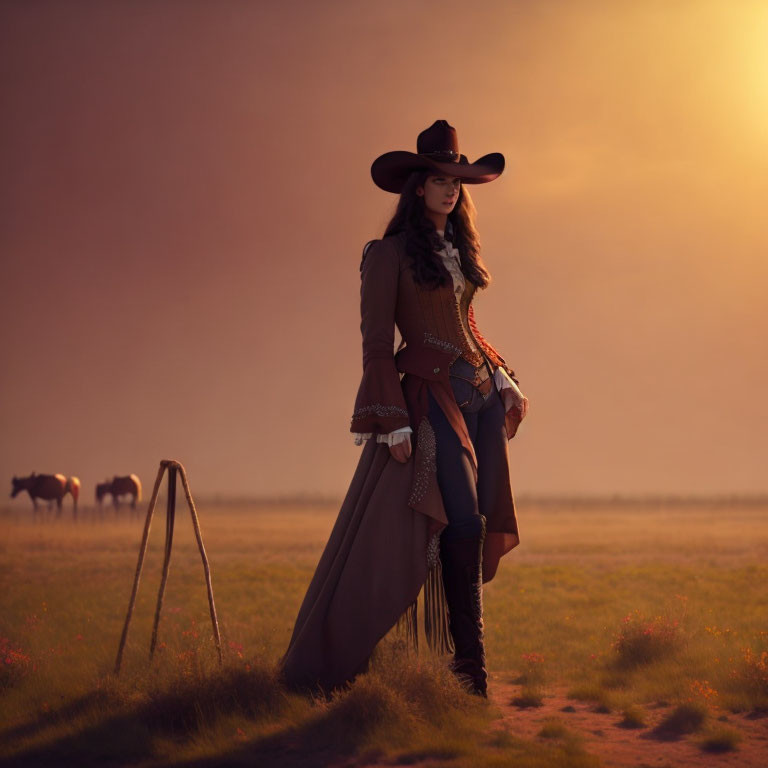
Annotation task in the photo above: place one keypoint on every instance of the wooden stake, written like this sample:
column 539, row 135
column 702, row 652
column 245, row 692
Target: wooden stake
column 206, row 567
column 170, row 518
column 173, row 467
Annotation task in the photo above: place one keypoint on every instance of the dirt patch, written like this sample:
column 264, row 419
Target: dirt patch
column 622, row 747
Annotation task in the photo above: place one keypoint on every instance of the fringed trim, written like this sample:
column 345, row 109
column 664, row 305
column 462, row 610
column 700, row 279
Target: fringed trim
column 436, row 620
column 407, row 625
column 436, row 626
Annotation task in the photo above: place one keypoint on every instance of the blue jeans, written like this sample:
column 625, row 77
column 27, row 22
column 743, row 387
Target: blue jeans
column 463, row 499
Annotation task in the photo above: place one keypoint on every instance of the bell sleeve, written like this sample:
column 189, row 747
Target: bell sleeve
column 380, row 406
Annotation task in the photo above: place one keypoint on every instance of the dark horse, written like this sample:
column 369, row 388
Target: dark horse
column 48, row 488
column 129, row 485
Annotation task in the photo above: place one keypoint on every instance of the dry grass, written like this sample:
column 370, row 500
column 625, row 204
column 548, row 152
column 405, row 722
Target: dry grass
column 642, row 639
column 529, row 697
column 682, row 720
column 750, row 674
column 632, row 717
column 593, row 692
column 553, row 729
column 720, row 740
column 553, row 616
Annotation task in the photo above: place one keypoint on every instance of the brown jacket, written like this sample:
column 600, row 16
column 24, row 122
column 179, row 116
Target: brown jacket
column 377, row 558
column 433, row 326
column 435, row 330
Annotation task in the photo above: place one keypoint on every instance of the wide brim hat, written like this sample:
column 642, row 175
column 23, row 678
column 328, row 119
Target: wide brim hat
column 437, row 150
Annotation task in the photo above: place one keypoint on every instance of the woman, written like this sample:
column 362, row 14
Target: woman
column 430, row 505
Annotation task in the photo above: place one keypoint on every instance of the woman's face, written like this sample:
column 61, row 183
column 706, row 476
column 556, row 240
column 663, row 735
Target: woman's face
column 440, row 193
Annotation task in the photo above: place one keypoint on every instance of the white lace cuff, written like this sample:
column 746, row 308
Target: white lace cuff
column 503, row 381
column 390, row 438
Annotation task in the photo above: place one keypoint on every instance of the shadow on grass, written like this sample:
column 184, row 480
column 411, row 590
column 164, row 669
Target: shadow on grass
column 50, row 718
column 117, row 725
column 721, row 740
column 682, row 721
column 308, row 746
column 122, row 725
column 125, row 740
column 130, row 737
column 115, row 740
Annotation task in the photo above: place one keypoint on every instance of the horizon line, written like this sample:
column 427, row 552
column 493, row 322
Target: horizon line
column 306, row 498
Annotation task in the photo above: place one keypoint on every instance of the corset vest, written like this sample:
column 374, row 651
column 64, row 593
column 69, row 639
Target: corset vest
column 446, row 320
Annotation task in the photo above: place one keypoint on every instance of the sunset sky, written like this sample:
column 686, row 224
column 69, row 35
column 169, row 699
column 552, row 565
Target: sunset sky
column 185, row 192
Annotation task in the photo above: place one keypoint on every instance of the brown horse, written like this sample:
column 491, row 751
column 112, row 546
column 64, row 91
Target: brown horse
column 48, row 488
column 73, row 487
column 128, row 485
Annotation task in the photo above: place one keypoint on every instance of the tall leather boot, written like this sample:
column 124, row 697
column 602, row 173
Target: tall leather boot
column 463, row 581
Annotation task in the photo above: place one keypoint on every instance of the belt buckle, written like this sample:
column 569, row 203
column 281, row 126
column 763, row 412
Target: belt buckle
column 481, row 375
column 482, row 381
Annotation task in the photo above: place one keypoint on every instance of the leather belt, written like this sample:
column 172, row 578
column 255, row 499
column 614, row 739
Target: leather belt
column 482, row 380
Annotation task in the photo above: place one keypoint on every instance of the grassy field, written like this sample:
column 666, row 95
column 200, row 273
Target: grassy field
column 621, row 604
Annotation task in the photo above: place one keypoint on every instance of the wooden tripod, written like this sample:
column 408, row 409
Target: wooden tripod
column 173, row 468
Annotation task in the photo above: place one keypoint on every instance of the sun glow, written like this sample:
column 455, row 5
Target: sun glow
column 740, row 80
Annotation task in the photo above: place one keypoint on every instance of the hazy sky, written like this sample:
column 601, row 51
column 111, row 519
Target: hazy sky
column 185, row 193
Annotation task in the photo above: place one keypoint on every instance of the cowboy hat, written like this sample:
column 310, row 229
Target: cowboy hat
column 437, row 150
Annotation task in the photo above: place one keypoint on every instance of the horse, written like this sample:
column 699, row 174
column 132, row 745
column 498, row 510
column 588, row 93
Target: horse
column 128, row 485
column 47, row 487
column 73, row 487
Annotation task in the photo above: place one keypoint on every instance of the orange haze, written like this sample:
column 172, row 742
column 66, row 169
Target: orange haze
column 185, row 192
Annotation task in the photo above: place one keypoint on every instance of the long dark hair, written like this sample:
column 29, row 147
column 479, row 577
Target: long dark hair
column 422, row 240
